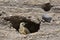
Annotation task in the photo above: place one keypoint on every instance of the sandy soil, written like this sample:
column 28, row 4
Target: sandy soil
column 47, row 31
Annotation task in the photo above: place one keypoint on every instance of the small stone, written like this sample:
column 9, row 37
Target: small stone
column 46, row 18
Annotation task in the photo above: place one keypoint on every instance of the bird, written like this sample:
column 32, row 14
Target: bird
column 33, row 26
column 23, row 29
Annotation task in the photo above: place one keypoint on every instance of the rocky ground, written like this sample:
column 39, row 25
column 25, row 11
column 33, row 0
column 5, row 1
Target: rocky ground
column 29, row 9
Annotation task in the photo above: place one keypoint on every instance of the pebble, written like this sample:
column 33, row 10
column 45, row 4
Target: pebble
column 46, row 17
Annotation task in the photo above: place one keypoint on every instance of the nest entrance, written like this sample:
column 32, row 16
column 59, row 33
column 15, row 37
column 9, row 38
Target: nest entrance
column 16, row 20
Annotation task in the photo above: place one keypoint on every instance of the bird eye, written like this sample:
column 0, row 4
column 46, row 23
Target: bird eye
column 22, row 24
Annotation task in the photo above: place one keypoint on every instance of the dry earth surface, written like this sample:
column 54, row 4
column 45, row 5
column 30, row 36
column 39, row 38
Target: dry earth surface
column 33, row 9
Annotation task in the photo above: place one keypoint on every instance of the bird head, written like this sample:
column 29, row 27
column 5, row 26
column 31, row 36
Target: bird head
column 22, row 23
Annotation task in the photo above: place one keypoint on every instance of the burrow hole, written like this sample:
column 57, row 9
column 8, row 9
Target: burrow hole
column 16, row 20
column 46, row 7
